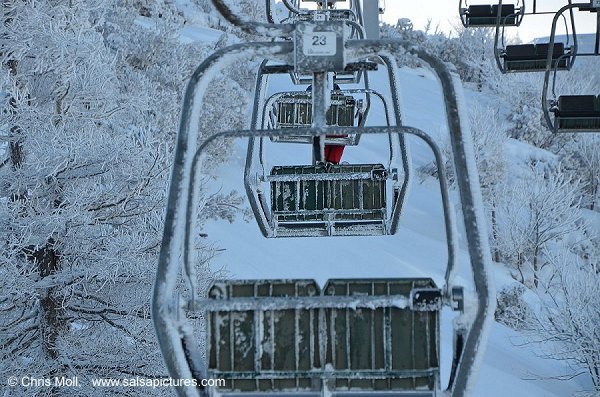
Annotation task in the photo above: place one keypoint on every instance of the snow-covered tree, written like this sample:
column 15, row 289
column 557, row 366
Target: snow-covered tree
column 469, row 51
column 567, row 323
column 581, row 157
column 532, row 211
column 489, row 141
column 92, row 108
column 489, row 144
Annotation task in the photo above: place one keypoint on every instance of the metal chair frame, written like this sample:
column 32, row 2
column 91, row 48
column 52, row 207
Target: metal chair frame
column 257, row 196
column 568, row 57
column 176, row 340
column 551, row 105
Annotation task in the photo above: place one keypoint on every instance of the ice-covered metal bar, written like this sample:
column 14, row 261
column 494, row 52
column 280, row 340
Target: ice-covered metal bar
column 471, row 202
column 173, row 334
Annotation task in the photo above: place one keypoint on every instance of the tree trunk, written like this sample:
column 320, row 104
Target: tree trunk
column 48, row 264
column 520, row 268
column 46, row 259
column 495, row 250
column 536, row 280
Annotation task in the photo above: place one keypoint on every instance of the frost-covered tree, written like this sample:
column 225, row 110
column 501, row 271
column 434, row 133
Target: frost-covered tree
column 581, row 157
column 567, row 324
column 489, row 144
column 511, row 308
column 489, row 141
column 532, row 211
column 469, row 51
column 91, row 113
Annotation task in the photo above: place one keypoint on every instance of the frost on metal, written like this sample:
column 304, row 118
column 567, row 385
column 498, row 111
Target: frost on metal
column 289, row 335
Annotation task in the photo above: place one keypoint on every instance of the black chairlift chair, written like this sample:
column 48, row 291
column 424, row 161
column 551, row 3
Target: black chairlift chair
column 533, row 57
column 576, row 113
column 486, row 15
column 572, row 113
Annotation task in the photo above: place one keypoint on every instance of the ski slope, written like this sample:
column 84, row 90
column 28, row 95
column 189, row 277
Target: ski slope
column 417, row 250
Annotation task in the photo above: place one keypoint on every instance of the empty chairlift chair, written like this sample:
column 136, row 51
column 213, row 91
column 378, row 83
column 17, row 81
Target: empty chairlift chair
column 577, row 113
column 534, row 57
column 325, row 199
column 484, row 15
column 328, row 200
column 353, row 337
column 294, row 110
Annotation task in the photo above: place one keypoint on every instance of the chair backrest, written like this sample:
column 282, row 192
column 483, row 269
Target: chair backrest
column 520, row 51
column 295, row 110
column 319, row 189
column 479, row 11
column 391, row 344
column 506, row 10
column 541, row 50
column 577, row 103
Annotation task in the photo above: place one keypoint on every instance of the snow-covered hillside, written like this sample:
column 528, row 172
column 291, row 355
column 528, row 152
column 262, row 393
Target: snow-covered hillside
column 417, row 250
column 90, row 103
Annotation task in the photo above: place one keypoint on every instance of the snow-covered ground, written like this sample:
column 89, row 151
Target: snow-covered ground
column 419, row 248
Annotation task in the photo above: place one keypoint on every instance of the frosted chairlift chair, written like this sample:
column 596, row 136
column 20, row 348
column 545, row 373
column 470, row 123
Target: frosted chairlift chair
column 295, row 337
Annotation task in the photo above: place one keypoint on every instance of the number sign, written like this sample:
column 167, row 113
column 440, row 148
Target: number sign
column 319, row 43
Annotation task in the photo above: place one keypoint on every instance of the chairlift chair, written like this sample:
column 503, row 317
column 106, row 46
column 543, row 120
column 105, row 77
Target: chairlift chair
column 295, row 344
column 321, row 199
column 327, row 10
column 533, row 57
column 572, row 113
column 294, row 110
column 293, row 337
column 576, row 113
column 486, row 15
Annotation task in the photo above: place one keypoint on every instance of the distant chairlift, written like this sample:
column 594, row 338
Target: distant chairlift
column 534, row 57
column 324, row 199
column 326, row 11
column 576, row 113
column 485, row 15
column 573, row 113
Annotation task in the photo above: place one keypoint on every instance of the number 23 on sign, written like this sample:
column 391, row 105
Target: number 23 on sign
column 319, row 43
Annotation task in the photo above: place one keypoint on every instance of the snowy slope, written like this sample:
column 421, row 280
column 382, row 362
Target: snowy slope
column 418, row 250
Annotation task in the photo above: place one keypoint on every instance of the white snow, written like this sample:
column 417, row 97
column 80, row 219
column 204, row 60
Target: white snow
column 191, row 34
